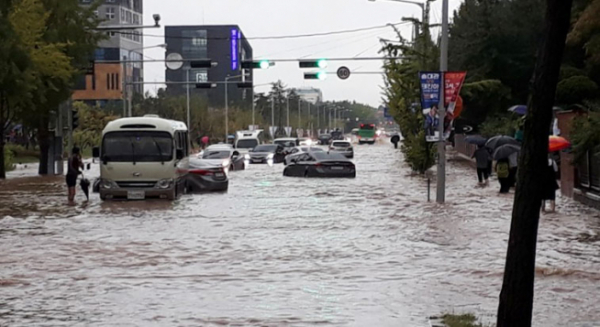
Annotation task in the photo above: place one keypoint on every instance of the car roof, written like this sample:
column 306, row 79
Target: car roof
column 220, row 146
column 340, row 141
column 325, row 156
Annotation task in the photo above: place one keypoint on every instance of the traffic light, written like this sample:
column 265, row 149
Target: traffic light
column 262, row 64
column 202, row 63
column 319, row 75
column 321, row 63
column 74, row 119
column 245, row 85
column 205, row 85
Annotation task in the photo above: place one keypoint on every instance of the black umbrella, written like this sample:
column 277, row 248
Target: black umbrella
column 504, row 151
column 476, row 139
column 85, row 186
column 500, row 140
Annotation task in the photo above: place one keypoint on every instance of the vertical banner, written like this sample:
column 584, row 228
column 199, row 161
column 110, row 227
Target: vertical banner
column 288, row 131
column 234, row 49
column 272, row 131
column 453, row 82
column 431, row 86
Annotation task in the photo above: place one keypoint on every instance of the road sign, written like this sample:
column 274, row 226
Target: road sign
column 343, row 72
column 273, row 130
column 174, row 61
column 288, row 131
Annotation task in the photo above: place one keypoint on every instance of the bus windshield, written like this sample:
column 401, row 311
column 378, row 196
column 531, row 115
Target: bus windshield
column 367, row 126
column 137, row 146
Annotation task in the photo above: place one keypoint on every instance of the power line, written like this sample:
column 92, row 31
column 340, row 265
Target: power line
column 278, row 37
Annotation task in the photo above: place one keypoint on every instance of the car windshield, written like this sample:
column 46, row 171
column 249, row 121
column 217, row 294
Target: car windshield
column 247, row 143
column 286, row 143
column 266, row 148
column 341, row 144
column 216, row 155
column 137, row 146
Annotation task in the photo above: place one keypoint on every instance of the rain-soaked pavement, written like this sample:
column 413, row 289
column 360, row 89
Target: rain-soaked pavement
column 276, row 251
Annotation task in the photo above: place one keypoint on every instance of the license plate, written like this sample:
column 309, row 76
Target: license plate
column 136, row 195
column 219, row 175
column 257, row 160
column 337, row 168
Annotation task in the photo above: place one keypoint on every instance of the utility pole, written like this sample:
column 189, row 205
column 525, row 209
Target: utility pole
column 272, row 112
column 189, row 125
column 441, row 170
column 124, row 86
column 288, row 110
column 70, row 125
column 58, row 141
column 309, row 121
column 253, row 107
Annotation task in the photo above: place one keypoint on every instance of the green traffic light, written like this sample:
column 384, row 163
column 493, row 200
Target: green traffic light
column 321, row 75
column 322, row 63
column 264, row 64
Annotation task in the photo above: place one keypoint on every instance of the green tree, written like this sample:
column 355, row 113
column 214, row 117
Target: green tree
column 401, row 93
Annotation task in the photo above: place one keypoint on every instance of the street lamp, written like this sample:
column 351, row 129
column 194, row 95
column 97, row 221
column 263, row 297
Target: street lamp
column 127, row 107
column 420, row 4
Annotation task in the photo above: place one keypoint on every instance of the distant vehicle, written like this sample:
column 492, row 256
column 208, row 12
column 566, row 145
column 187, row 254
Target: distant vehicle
column 305, row 141
column 367, row 134
column 228, row 158
column 320, row 164
column 266, row 153
column 354, row 131
column 287, row 143
column 343, row 147
column 206, row 176
column 325, row 139
column 246, row 140
column 297, row 150
column 143, row 157
column 337, row 135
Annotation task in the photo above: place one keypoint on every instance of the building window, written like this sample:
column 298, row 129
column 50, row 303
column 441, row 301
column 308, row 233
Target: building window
column 194, row 43
column 117, row 81
column 108, row 81
column 123, row 18
column 129, row 17
column 110, row 13
column 136, row 19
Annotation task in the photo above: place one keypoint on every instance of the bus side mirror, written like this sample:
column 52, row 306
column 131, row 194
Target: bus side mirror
column 96, row 152
column 179, row 154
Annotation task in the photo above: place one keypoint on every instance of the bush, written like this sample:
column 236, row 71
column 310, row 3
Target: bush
column 498, row 125
column 418, row 153
column 8, row 159
column 575, row 90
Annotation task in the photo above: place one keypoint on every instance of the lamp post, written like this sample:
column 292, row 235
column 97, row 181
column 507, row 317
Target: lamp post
column 420, row 4
column 127, row 107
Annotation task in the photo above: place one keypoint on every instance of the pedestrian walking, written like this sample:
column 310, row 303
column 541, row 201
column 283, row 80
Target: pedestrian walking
column 503, row 173
column 483, row 159
column 513, row 164
column 550, row 185
column 74, row 166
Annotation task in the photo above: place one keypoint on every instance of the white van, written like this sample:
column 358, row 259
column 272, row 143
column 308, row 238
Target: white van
column 143, row 157
column 248, row 140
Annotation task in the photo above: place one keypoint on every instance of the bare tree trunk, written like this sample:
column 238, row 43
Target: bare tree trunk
column 516, row 297
column 44, row 143
column 2, row 170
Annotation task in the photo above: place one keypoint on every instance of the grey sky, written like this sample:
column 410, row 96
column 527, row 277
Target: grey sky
column 290, row 17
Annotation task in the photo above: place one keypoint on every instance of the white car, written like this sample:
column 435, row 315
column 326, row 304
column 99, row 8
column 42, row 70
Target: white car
column 342, row 147
column 305, row 142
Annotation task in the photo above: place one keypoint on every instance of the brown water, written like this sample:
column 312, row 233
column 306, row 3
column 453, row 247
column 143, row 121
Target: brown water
column 277, row 251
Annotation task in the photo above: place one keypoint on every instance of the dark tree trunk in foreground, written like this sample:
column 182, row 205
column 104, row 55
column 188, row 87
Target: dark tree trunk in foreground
column 516, row 297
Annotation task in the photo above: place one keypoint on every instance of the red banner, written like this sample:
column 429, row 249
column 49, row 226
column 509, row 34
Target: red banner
column 453, row 82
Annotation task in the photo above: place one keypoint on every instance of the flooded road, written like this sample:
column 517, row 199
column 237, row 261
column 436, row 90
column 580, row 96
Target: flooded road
column 277, row 251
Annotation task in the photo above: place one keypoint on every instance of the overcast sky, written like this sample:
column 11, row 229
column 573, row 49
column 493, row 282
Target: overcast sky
column 258, row 18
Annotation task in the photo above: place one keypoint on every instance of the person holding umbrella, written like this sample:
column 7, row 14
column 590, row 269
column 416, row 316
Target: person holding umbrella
column 74, row 164
column 502, row 155
column 483, row 160
column 550, row 185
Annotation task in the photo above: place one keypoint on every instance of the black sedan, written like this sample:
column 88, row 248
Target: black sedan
column 206, row 176
column 228, row 157
column 324, row 139
column 320, row 164
column 266, row 153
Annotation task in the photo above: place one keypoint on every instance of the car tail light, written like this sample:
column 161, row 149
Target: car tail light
column 318, row 164
column 202, row 172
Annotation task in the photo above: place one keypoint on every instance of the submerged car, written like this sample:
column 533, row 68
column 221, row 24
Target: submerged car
column 206, row 176
column 266, row 153
column 320, row 164
column 298, row 150
column 287, row 143
column 225, row 156
column 342, row 147
column 324, row 139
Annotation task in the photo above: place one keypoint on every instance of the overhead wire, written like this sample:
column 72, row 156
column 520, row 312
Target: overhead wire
column 277, row 37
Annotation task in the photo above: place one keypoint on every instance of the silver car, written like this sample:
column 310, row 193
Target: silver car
column 227, row 157
column 342, row 147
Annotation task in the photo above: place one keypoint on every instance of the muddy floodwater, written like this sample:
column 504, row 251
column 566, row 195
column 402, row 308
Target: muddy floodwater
column 277, row 251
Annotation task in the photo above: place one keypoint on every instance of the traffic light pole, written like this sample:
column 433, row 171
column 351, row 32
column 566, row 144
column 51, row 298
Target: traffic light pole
column 441, row 170
column 124, row 88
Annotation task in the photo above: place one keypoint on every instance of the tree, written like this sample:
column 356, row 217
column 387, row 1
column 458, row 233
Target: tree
column 69, row 32
column 516, row 298
column 401, row 94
